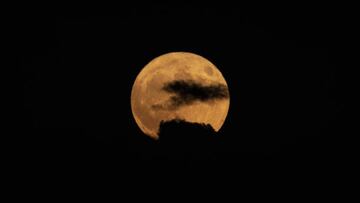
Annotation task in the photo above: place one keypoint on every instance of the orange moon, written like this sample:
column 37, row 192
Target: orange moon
column 151, row 104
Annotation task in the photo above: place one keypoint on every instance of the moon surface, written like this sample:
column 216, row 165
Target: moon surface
column 179, row 85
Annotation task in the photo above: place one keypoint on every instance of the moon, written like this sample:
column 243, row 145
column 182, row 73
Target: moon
column 179, row 85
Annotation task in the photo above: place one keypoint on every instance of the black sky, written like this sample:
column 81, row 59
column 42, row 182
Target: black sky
column 281, row 67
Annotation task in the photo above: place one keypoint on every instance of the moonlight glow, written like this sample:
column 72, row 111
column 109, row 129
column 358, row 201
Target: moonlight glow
column 179, row 85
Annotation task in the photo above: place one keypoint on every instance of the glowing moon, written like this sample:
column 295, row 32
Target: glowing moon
column 179, row 85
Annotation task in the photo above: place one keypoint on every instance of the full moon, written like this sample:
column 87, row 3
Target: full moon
column 179, row 85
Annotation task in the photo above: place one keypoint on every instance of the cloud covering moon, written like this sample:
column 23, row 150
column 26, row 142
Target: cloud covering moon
column 179, row 85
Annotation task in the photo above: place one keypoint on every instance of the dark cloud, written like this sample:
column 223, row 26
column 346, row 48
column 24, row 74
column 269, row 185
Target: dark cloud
column 187, row 92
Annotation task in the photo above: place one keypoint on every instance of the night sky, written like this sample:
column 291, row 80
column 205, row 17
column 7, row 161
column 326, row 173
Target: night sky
column 281, row 67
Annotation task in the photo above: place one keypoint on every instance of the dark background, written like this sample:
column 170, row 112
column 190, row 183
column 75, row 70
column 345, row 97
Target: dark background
column 281, row 66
